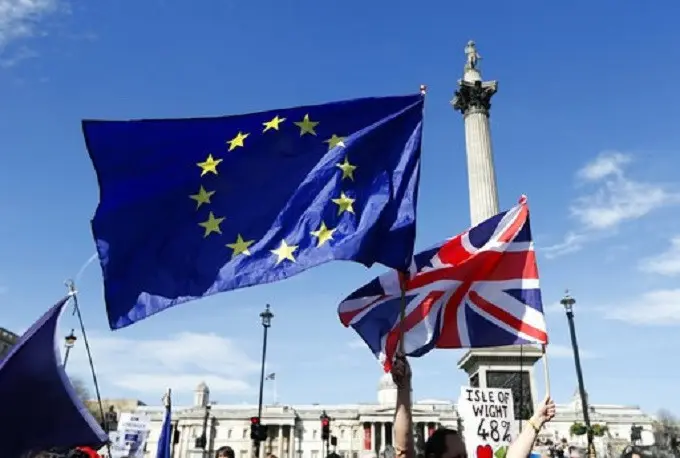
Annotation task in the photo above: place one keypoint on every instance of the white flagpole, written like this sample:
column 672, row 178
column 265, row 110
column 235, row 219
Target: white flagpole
column 276, row 393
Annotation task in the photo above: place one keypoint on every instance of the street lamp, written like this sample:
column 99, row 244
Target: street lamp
column 266, row 318
column 568, row 304
column 202, row 440
column 69, row 342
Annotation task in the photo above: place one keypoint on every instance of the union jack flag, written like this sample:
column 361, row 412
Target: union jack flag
column 478, row 289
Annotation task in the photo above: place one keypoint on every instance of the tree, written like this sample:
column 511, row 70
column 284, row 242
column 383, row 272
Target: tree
column 83, row 393
column 577, row 429
column 599, row 430
column 81, row 389
column 665, row 427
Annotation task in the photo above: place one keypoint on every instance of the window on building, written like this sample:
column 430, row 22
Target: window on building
column 355, row 434
column 314, row 436
column 315, row 453
column 244, row 453
column 245, row 433
column 229, row 434
column 342, row 433
column 355, row 454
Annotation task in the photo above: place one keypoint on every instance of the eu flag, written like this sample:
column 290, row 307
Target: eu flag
column 193, row 207
column 40, row 408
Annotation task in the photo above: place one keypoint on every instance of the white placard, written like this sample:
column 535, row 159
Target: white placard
column 130, row 439
column 489, row 425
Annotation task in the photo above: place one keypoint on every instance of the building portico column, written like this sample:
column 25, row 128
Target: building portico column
column 375, row 426
column 291, row 441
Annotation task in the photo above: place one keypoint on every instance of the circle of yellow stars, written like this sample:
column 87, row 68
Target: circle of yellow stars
column 285, row 252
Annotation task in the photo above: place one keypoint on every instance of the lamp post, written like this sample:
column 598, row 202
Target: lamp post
column 266, row 318
column 69, row 342
column 202, row 440
column 568, row 304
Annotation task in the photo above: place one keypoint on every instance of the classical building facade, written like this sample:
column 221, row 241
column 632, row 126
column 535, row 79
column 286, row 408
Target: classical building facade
column 7, row 339
column 362, row 430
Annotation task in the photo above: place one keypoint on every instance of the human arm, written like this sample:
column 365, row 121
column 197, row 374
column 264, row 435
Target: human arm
column 521, row 447
column 403, row 421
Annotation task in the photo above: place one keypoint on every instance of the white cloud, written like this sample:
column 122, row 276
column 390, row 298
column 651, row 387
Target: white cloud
column 658, row 307
column 613, row 198
column 666, row 263
column 18, row 18
column 606, row 164
column 565, row 352
column 179, row 362
column 572, row 242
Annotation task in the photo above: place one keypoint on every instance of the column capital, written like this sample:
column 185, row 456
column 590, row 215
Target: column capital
column 474, row 96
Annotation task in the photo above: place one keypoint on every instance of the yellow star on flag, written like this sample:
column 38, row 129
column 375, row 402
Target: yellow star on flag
column 344, row 203
column 203, row 197
column 306, row 126
column 212, row 225
column 240, row 246
column 285, row 251
column 324, row 234
column 347, row 169
column 237, row 141
column 335, row 141
column 273, row 124
column 209, row 165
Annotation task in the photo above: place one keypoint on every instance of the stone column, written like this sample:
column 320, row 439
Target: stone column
column 473, row 100
column 280, row 452
column 383, row 435
column 481, row 172
column 375, row 426
column 291, row 441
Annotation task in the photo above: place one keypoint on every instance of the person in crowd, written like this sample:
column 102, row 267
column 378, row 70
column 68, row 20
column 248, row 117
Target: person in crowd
column 574, row 452
column 447, row 443
column 631, row 452
column 224, row 452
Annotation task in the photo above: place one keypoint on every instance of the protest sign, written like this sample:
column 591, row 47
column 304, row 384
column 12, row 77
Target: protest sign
column 130, row 439
column 488, row 417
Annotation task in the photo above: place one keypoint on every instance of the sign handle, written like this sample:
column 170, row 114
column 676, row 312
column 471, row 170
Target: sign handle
column 546, row 370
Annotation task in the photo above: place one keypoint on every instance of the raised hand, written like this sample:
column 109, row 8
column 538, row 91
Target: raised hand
column 401, row 372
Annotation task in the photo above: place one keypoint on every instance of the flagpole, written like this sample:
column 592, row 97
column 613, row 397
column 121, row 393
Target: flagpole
column 403, row 277
column 546, row 369
column 74, row 296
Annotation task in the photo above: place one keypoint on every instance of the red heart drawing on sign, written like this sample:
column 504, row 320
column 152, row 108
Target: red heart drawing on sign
column 484, row 451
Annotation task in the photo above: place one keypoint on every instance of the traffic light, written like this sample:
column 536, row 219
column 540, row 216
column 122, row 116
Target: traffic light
column 254, row 428
column 258, row 431
column 325, row 428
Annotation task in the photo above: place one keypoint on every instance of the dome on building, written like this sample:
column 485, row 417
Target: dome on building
column 387, row 391
column 386, row 382
column 202, row 387
column 202, row 395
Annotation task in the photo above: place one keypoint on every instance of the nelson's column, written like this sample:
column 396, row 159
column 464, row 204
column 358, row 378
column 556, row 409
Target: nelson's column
column 496, row 367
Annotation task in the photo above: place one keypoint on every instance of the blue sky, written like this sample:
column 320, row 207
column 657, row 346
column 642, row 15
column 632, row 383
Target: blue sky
column 584, row 123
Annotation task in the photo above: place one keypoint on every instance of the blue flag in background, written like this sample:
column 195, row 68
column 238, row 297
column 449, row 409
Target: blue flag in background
column 165, row 439
column 40, row 408
column 193, row 207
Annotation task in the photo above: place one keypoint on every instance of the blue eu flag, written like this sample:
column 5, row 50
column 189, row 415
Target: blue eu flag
column 193, row 207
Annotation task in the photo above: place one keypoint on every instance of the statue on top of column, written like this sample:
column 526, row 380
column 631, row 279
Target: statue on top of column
column 472, row 56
